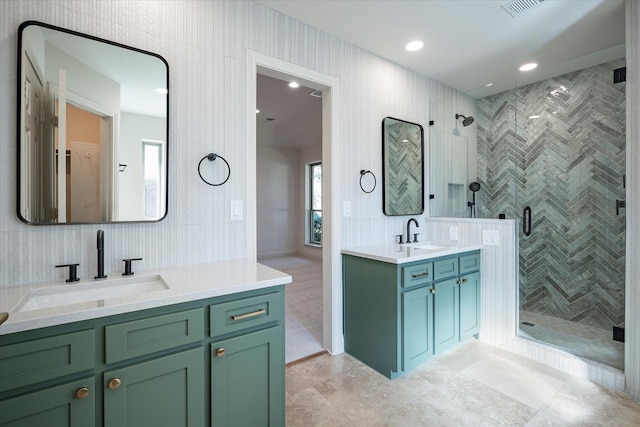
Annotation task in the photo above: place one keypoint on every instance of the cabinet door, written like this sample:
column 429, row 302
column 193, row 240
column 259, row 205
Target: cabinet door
column 247, row 380
column 168, row 391
column 53, row 407
column 469, row 306
column 417, row 327
column 446, row 315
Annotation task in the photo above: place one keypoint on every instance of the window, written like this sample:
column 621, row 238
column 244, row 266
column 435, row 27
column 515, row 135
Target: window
column 153, row 179
column 315, row 203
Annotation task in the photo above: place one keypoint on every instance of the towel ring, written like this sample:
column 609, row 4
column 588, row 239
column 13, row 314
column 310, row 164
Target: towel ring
column 362, row 174
column 211, row 157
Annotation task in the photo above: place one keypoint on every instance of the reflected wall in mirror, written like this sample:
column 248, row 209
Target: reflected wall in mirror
column 92, row 129
column 402, row 167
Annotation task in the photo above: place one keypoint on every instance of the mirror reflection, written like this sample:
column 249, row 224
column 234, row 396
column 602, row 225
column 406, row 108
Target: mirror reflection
column 93, row 125
column 402, row 167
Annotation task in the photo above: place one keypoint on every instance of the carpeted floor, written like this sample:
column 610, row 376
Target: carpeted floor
column 303, row 322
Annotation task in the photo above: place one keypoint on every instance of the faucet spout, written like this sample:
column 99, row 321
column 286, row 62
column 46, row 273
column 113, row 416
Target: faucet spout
column 100, row 247
column 409, row 229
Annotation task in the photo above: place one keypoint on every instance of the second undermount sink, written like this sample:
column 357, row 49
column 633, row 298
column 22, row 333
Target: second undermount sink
column 97, row 292
column 429, row 246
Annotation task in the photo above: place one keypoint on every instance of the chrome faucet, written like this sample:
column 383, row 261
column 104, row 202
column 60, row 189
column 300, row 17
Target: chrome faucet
column 415, row 240
column 101, row 274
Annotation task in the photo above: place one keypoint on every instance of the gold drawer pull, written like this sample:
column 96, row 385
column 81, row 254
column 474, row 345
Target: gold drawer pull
column 115, row 383
column 248, row 315
column 220, row 352
column 416, row 276
column 82, row 393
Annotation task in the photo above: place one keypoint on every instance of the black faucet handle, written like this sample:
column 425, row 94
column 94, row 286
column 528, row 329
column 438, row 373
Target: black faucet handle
column 415, row 237
column 73, row 271
column 127, row 266
column 399, row 238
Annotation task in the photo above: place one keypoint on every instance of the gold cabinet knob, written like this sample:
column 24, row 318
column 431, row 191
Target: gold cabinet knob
column 464, row 280
column 459, row 282
column 82, row 393
column 433, row 291
column 114, row 383
column 220, row 352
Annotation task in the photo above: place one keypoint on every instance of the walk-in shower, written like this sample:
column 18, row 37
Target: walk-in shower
column 558, row 147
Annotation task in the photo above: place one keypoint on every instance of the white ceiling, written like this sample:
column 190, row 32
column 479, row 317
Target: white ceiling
column 470, row 43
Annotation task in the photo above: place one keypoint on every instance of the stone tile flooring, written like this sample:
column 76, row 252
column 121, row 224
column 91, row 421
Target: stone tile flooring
column 473, row 385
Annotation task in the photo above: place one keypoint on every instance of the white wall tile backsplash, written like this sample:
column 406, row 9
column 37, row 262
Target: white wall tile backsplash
column 205, row 44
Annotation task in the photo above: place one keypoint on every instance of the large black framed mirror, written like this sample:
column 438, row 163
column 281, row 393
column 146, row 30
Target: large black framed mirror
column 92, row 129
column 402, row 167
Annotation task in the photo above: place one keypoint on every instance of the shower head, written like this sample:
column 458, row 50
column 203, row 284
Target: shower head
column 466, row 120
column 474, row 186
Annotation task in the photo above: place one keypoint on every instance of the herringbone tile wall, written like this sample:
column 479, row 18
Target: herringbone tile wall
column 567, row 165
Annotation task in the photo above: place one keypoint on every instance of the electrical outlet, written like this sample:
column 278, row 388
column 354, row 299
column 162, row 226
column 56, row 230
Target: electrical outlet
column 453, row 233
column 491, row 237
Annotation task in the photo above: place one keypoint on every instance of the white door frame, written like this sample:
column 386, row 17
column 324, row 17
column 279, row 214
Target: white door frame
column 333, row 339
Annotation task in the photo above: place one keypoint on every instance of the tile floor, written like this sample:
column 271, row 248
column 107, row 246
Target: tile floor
column 473, row 385
column 582, row 340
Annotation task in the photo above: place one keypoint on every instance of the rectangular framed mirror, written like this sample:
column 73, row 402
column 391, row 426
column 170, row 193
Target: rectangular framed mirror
column 402, row 167
column 92, row 129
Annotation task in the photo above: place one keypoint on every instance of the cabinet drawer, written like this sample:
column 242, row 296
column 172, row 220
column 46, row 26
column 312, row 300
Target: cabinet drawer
column 46, row 358
column 146, row 336
column 469, row 263
column 233, row 316
column 417, row 274
column 445, row 268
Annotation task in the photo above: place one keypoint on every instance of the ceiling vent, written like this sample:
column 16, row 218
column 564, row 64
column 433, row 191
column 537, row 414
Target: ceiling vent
column 316, row 93
column 517, row 7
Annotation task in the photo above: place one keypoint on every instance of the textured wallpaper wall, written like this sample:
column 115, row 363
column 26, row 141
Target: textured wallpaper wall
column 205, row 44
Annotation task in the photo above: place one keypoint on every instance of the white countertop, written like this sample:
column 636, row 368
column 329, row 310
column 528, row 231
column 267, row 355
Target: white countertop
column 187, row 283
column 400, row 254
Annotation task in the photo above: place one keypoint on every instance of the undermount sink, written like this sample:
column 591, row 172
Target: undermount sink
column 90, row 292
column 428, row 246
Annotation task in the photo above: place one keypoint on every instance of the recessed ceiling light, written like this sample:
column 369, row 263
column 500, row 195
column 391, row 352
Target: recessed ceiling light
column 294, row 85
column 489, row 84
column 528, row 67
column 161, row 90
column 534, row 116
column 257, row 111
column 414, row 45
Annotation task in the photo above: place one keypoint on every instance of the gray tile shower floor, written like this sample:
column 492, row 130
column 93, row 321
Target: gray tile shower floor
column 473, row 385
column 582, row 340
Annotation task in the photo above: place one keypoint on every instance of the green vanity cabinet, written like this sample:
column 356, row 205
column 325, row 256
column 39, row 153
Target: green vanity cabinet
column 167, row 391
column 57, row 406
column 156, row 367
column 397, row 316
column 247, row 361
column 247, row 380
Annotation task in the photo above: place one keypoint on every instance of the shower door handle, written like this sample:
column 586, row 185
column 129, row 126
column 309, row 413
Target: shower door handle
column 620, row 204
column 526, row 221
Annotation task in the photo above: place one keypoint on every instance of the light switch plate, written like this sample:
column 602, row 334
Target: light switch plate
column 491, row 237
column 346, row 209
column 453, row 233
column 237, row 210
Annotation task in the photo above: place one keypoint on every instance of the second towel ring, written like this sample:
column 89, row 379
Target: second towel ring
column 362, row 174
column 211, row 157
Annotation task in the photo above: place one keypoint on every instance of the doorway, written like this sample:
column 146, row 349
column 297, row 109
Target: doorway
column 259, row 64
column 289, row 203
